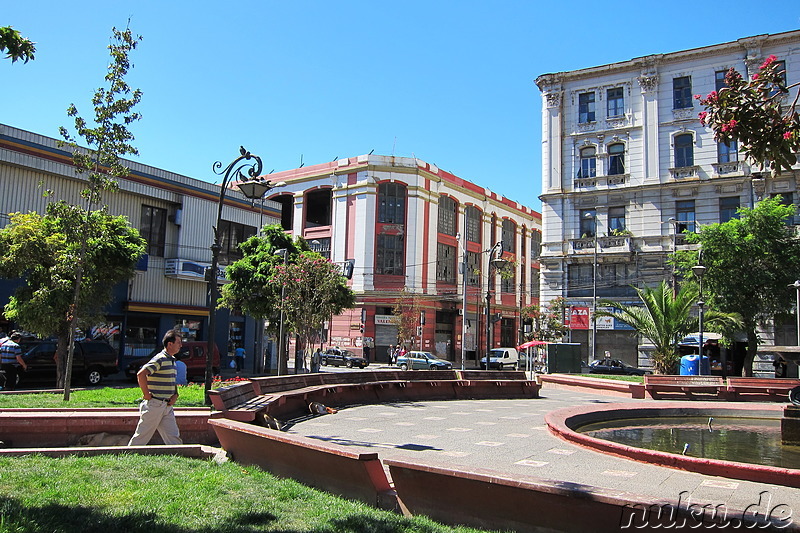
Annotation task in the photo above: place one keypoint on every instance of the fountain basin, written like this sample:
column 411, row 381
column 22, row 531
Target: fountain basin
column 566, row 423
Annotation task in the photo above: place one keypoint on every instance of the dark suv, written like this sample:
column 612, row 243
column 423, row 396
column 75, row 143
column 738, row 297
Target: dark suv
column 92, row 361
column 339, row 357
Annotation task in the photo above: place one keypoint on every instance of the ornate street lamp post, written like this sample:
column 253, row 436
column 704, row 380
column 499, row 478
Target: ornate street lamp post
column 593, row 217
column 495, row 263
column 796, row 285
column 233, row 170
column 699, row 271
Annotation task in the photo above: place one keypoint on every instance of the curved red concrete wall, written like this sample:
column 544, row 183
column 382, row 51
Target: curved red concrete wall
column 565, row 423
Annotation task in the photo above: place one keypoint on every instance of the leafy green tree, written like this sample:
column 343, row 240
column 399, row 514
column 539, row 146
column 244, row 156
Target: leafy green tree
column 664, row 317
column 42, row 249
column 753, row 112
column 99, row 161
column 548, row 321
column 750, row 262
column 15, row 45
column 314, row 289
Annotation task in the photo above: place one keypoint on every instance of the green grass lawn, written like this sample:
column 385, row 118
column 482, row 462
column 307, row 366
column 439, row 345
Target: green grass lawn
column 191, row 395
column 151, row 494
column 166, row 494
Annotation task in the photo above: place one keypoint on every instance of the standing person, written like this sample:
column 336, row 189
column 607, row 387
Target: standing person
column 239, row 355
column 316, row 360
column 11, row 358
column 157, row 381
column 391, row 353
column 180, row 370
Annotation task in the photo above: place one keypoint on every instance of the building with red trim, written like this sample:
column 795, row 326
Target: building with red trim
column 406, row 224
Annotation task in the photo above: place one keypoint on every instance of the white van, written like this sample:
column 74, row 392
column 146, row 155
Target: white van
column 502, row 358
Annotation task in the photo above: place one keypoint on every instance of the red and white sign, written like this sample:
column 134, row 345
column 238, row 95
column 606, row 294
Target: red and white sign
column 579, row 318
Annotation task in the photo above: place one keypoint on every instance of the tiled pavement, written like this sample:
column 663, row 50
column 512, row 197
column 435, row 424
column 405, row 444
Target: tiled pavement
column 510, row 436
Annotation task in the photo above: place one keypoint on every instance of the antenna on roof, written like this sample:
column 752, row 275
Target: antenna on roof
column 370, row 152
column 335, row 158
column 301, row 161
column 271, row 171
column 394, row 145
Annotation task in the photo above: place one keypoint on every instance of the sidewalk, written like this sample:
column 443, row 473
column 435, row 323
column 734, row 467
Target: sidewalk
column 511, row 437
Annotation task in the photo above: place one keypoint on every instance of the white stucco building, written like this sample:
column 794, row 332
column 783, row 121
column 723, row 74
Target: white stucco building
column 625, row 159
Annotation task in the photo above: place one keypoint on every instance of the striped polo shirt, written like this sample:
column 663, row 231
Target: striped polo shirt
column 9, row 352
column 161, row 380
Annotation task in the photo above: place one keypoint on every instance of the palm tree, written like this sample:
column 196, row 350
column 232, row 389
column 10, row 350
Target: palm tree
column 664, row 318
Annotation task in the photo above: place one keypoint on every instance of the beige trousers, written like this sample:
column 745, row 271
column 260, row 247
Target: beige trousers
column 156, row 415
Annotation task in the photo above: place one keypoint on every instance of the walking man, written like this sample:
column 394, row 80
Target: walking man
column 157, row 381
column 11, row 355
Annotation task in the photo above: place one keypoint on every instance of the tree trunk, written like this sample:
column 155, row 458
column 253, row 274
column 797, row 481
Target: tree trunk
column 61, row 356
column 752, row 348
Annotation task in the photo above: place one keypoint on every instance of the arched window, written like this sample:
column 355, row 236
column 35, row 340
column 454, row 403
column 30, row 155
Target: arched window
column 588, row 163
column 473, row 216
column 616, row 159
column 448, row 209
column 509, row 236
column 684, row 150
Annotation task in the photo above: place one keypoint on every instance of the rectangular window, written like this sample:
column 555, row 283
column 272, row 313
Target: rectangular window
column 727, row 152
column 447, row 215
column 153, row 229
column 684, row 150
column 391, row 203
column 615, row 102
column 535, row 293
column 682, row 92
column 474, row 269
column 231, row 235
column 389, row 255
column 321, row 246
column 684, row 213
column 473, row 216
column 588, row 163
column 728, row 207
column 616, row 159
column 616, row 220
column 588, row 223
column 445, row 263
column 586, row 107
column 579, row 279
column 536, row 245
column 509, row 236
column 719, row 80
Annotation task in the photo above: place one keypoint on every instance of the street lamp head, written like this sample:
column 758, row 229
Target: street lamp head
column 257, row 187
column 699, row 271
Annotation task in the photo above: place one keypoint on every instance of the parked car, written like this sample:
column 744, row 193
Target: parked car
column 91, row 362
column 615, row 366
column 193, row 353
column 422, row 360
column 501, row 358
column 339, row 357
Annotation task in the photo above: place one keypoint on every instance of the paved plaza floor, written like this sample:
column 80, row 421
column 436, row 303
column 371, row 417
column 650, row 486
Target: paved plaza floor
column 510, row 436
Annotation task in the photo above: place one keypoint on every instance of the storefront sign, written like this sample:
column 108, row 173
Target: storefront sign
column 579, row 319
column 385, row 320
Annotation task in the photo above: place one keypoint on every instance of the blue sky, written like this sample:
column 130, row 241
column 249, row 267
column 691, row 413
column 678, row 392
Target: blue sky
column 450, row 82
